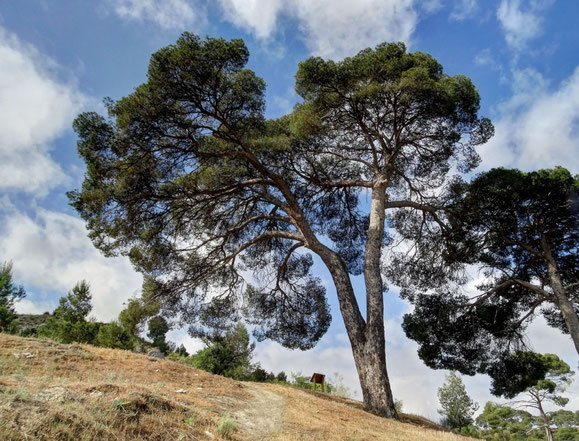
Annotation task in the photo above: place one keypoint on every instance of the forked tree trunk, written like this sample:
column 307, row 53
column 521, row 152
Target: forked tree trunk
column 366, row 336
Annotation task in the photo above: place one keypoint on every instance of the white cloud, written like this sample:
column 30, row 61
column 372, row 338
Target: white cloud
column 257, row 16
column 168, row 14
column 330, row 28
column 536, row 128
column 181, row 337
column 464, row 9
column 51, row 251
column 431, row 6
column 486, row 58
column 521, row 23
column 35, row 109
column 339, row 28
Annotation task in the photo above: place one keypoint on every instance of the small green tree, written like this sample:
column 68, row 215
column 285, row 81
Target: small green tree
column 228, row 355
column 69, row 321
column 559, row 376
column 158, row 328
column 114, row 335
column 457, row 407
column 76, row 306
column 9, row 294
column 503, row 423
column 182, row 351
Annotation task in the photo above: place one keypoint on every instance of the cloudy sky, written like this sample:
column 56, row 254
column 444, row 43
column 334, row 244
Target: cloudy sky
column 61, row 57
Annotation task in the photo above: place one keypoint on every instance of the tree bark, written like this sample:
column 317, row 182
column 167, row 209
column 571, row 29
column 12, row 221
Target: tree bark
column 367, row 342
column 561, row 298
column 370, row 359
column 366, row 337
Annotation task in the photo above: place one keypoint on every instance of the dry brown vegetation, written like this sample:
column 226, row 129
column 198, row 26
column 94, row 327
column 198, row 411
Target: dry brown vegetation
column 55, row 392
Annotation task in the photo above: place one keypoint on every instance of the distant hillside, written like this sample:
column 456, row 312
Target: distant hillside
column 55, row 392
column 24, row 322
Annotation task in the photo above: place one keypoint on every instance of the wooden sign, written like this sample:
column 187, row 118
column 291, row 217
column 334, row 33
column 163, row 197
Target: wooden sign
column 318, row 379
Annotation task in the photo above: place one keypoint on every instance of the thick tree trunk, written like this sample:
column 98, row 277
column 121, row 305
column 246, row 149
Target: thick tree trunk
column 371, row 355
column 368, row 343
column 370, row 358
column 366, row 337
column 561, row 298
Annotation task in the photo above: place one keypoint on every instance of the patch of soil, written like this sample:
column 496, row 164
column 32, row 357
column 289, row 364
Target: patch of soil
column 262, row 415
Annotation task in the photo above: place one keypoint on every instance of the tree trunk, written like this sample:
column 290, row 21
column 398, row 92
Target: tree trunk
column 561, row 297
column 366, row 337
column 368, row 343
column 549, row 433
column 370, row 358
column 543, row 415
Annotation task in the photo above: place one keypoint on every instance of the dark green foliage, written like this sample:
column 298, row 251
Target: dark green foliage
column 138, row 310
column 565, row 418
column 517, row 372
column 567, row 434
column 558, row 377
column 9, row 294
column 228, row 354
column 158, row 328
column 281, row 377
column 259, row 375
column 523, row 229
column 76, row 306
column 68, row 332
column 504, row 423
column 181, row 351
column 457, row 407
column 69, row 322
column 114, row 335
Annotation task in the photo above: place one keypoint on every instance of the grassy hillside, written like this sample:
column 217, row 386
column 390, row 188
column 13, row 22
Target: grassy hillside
column 56, row 392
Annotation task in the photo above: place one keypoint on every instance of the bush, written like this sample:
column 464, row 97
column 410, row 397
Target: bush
column 67, row 332
column 113, row 335
column 228, row 355
column 9, row 294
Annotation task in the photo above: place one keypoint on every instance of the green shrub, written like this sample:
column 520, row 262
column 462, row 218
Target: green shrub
column 113, row 335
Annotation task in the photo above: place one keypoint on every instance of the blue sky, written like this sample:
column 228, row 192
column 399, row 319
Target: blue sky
column 61, row 57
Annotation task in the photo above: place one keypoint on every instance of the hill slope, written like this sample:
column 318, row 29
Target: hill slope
column 51, row 391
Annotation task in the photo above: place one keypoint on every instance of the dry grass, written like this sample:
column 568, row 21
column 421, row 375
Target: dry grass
column 310, row 416
column 55, row 392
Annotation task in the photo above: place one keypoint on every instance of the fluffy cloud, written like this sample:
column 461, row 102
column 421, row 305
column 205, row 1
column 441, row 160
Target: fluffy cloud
column 35, row 109
column 168, row 14
column 257, row 16
column 536, row 128
column 338, row 28
column 330, row 28
column 51, row 251
column 521, row 22
column 464, row 9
